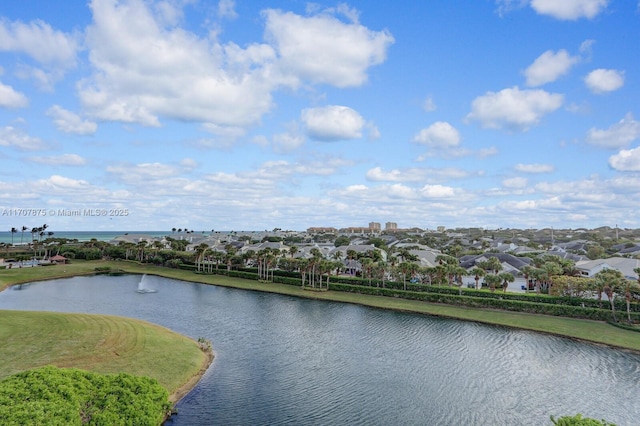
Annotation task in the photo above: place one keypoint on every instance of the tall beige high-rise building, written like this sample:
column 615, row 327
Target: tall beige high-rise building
column 391, row 226
column 374, row 226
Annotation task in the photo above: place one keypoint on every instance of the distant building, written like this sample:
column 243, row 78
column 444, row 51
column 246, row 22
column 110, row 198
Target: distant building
column 322, row 230
column 390, row 226
column 374, row 226
column 355, row 230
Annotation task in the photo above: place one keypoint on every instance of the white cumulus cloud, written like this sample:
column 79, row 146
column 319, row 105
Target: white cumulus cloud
column 18, row 138
column 332, row 123
column 38, row 40
column 438, row 191
column 627, row 160
column 53, row 51
column 570, row 10
column 323, row 49
column 604, row 80
column 146, row 70
column 513, row 108
column 548, row 67
column 439, row 135
column 68, row 122
column 9, row 98
column 617, row 135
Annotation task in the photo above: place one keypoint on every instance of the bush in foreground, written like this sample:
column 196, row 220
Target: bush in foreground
column 578, row 420
column 56, row 396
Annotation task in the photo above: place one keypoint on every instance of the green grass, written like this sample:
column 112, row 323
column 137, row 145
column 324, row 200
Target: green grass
column 593, row 331
column 98, row 343
column 23, row 275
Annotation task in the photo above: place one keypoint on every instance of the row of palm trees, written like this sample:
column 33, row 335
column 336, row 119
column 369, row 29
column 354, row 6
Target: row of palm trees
column 37, row 233
column 316, row 270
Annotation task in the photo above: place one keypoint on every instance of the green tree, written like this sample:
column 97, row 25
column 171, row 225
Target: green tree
column 342, row 240
column 578, row 420
column 493, row 281
column 477, row 274
column 506, row 278
column 595, row 251
column 526, row 271
column 24, row 228
column 612, row 283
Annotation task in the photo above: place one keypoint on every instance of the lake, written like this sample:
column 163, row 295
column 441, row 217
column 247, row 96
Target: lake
column 283, row 360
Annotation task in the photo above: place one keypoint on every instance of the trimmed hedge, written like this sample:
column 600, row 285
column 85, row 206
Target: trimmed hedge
column 517, row 302
column 487, row 303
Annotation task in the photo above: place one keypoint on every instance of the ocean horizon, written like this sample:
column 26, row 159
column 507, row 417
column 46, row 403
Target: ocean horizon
column 19, row 237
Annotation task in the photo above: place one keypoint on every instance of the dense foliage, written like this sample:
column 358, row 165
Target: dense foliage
column 55, row 396
column 578, row 420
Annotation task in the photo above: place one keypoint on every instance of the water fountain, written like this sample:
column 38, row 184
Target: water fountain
column 143, row 287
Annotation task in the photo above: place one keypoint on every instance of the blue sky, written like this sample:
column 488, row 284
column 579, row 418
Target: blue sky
column 242, row 115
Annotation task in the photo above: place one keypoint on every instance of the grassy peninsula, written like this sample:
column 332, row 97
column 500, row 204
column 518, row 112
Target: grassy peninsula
column 99, row 343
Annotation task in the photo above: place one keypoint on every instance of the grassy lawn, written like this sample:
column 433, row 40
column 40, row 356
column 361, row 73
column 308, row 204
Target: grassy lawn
column 594, row 331
column 23, row 275
column 99, row 343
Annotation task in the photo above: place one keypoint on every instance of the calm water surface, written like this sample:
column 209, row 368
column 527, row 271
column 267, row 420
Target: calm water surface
column 282, row 360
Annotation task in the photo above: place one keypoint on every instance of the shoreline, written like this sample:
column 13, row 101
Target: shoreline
column 589, row 331
column 176, row 396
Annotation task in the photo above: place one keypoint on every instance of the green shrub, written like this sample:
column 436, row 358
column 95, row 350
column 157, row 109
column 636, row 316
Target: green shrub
column 578, row 420
column 55, row 396
column 504, row 303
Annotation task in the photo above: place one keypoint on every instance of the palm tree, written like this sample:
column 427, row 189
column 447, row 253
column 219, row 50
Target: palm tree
column 303, row 265
column 200, row 250
column 506, row 278
column 383, row 267
column 24, row 228
column 526, row 271
column 351, row 255
column 405, row 269
column 457, row 272
column 230, row 252
column 551, row 268
column 34, row 232
column 613, row 282
column 13, row 231
column 367, row 265
column 495, row 265
column 141, row 246
column 628, row 296
column 313, row 264
column 493, row 280
column 478, row 272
